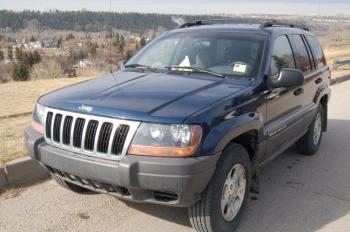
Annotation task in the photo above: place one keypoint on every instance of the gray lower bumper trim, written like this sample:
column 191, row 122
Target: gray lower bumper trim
column 187, row 177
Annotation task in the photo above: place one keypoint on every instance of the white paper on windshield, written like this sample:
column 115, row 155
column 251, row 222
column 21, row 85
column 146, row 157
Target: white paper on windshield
column 185, row 62
column 241, row 68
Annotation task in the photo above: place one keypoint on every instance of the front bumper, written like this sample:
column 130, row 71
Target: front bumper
column 167, row 181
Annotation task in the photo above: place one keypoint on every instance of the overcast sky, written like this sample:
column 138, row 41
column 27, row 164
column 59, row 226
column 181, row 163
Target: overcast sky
column 306, row 7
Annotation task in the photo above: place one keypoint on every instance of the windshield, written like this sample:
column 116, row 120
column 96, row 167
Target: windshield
column 220, row 52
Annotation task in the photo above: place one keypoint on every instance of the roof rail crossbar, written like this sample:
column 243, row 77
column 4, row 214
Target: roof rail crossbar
column 281, row 24
column 203, row 22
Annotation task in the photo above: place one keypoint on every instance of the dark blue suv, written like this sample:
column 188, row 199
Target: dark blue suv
column 190, row 120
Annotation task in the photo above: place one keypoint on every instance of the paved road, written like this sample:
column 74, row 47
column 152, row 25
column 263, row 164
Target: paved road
column 299, row 194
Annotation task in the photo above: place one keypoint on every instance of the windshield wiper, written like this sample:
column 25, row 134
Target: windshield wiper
column 194, row 69
column 141, row 67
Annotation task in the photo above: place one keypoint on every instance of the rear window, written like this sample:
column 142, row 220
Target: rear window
column 301, row 55
column 316, row 51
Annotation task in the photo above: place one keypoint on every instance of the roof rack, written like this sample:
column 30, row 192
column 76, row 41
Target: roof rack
column 266, row 24
column 281, row 24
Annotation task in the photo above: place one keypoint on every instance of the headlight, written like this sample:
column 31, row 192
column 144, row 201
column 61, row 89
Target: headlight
column 38, row 118
column 166, row 140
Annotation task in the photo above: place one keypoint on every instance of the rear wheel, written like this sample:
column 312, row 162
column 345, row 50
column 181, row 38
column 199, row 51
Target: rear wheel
column 222, row 203
column 68, row 185
column 310, row 142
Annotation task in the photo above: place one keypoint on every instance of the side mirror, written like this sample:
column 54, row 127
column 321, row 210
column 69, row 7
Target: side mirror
column 287, row 78
column 121, row 64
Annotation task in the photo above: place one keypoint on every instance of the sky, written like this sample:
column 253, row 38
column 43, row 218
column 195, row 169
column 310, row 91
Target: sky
column 294, row 7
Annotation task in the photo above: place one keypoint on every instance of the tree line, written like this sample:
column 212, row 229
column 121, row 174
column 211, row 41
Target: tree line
column 89, row 21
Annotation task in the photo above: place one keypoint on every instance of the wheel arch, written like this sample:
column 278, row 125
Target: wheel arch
column 245, row 130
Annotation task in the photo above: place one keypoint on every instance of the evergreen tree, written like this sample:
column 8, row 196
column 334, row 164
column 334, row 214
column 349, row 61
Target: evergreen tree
column 36, row 57
column 2, row 55
column 59, row 42
column 10, row 53
column 20, row 72
column 19, row 54
column 142, row 42
column 32, row 39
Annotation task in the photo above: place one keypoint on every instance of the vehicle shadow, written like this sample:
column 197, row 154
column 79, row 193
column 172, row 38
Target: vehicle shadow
column 171, row 214
column 299, row 193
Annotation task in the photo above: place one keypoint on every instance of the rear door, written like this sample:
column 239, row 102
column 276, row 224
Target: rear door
column 315, row 71
column 283, row 104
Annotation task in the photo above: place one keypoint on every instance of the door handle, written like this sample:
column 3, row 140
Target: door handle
column 318, row 81
column 298, row 91
column 275, row 93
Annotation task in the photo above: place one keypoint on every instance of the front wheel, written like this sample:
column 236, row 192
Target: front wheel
column 222, row 203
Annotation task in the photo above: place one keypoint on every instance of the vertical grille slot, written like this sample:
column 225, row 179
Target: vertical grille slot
column 67, row 127
column 119, row 139
column 78, row 132
column 90, row 135
column 104, row 137
column 48, row 125
column 57, row 127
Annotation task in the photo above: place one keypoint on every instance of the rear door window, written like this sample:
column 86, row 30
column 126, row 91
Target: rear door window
column 282, row 56
column 301, row 55
column 316, row 51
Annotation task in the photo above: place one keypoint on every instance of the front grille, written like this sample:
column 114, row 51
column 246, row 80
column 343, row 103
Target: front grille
column 90, row 135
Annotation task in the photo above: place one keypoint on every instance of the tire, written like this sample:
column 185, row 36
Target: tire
column 310, row 142
column 208, row 215
column 67, row 185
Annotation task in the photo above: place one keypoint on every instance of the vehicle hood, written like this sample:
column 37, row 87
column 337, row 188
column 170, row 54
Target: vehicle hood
column 155, row 97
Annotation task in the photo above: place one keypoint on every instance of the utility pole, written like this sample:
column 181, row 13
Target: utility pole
column 110, row 34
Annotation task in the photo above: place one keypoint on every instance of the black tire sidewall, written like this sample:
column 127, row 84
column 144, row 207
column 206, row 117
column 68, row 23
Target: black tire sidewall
column 310, row 137
column 234, row 154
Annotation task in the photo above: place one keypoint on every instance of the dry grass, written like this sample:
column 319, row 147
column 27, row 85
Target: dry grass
column 18, row 98
column 333, row 54
column 11, row 138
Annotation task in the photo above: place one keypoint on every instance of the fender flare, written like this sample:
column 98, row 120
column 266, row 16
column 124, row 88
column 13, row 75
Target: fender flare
column 321, row 92
column 220, row 136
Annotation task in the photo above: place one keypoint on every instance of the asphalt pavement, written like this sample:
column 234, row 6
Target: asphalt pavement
column 299, row 194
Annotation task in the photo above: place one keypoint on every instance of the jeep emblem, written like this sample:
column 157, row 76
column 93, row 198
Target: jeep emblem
column 86, row 108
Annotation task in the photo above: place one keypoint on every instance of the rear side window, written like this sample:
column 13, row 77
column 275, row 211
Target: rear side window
column 301, row 55
column 316, row 51
column 282, row 56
